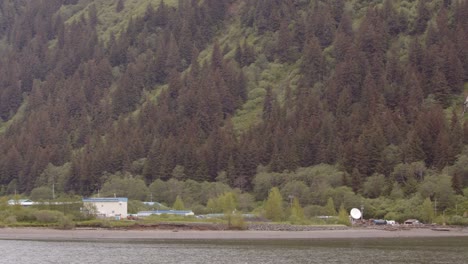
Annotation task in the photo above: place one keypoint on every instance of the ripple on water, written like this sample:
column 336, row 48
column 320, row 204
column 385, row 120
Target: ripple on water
column 421, row 250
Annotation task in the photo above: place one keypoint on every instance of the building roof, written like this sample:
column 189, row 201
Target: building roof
column 154, row 203
column 20, row 202
column 160, row 212
column 106, row 200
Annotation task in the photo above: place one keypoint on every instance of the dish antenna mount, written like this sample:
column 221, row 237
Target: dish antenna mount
column 355, row 213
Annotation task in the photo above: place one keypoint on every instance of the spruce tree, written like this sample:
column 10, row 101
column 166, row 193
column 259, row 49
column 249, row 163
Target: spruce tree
column 120, row 6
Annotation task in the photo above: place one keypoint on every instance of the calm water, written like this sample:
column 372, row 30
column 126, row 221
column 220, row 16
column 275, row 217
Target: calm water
column 420, row 250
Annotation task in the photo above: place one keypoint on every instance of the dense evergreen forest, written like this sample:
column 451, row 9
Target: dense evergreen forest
column 356, row 100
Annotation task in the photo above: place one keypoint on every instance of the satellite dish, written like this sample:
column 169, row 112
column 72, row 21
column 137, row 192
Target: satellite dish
column 355, row 213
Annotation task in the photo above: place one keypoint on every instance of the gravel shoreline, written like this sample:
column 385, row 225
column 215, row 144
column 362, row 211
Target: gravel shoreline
column 293, row 228
column 223, row 227
column 44, row 234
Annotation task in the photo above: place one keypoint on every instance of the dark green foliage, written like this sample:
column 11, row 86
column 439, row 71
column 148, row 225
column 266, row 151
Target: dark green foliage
column 313, row 64
column 120, row 6
column 365, row 87
column 423, row 16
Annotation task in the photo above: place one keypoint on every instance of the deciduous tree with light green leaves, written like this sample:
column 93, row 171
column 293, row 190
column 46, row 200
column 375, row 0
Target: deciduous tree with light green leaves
column 178, row 204
column 330, row 207
column 427, row 211
column 297, row 213
column 343, row 216
column 228, row 202
column 274, row 205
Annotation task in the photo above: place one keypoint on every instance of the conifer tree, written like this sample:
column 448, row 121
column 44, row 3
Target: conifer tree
column 356, row 180
column 455, row 137
column 414, row 151
column 423, row 16
column 440, row 88
column 120, row 6
column 312, row 66
column 283, row 43
column 457, row 183
column 442, row 151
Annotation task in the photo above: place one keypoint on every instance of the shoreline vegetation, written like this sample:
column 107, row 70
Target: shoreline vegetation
column 225, row 105
column 206, row 231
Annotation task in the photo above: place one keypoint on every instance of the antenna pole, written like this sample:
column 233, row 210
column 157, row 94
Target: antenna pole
column 362, row 211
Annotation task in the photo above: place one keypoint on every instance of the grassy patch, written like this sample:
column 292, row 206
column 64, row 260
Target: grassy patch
column 175, row 218
column 105, row 223
column 109, row 20
column 18, row 115
column 275, row 75
column 29, row 224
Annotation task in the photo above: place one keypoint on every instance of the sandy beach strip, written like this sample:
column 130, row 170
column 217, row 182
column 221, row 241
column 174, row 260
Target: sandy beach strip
column 105, row 234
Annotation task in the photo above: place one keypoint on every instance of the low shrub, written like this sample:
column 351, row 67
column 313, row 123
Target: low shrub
column 66, row 222
column 94, row 223
column 457, row 220
column 294, row 220
column 25, row 215
column 10, row 220
column 105, row 223
column 47, row 216
column 170, row 218
column 236, row 222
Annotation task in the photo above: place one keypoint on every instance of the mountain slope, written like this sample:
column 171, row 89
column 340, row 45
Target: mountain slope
column 210, row 88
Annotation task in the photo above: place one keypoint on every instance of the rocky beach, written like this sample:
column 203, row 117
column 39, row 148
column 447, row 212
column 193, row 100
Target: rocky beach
column 91, row 234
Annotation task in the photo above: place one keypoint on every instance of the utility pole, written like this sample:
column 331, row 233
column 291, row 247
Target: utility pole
column 53, row 191
column 291, row 199
column 362, row 211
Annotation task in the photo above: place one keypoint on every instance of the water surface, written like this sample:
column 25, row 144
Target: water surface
column 388, row 250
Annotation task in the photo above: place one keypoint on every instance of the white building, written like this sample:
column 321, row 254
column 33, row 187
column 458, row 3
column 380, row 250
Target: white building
column 107, row 207
column 22, row 202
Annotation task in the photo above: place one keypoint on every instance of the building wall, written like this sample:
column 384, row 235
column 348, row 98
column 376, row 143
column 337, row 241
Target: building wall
column 110, row 209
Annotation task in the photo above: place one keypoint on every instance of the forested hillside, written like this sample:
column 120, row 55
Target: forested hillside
column 321, row 98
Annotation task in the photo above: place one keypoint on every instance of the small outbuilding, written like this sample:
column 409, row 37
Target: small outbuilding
column 379, row 222
column 107, row 207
